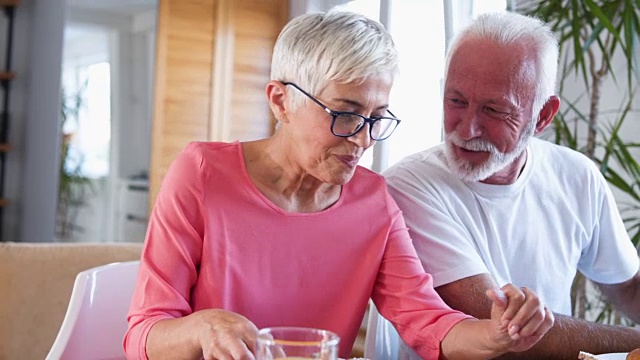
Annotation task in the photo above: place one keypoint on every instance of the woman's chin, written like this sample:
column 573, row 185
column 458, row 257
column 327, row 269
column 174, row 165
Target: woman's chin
column 342, row 177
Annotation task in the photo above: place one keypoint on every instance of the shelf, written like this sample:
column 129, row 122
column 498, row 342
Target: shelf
column 9, row 9
column 9, row 2
column 7, row 75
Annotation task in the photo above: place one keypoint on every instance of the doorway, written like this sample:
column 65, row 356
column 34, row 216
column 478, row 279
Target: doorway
column 106, row 87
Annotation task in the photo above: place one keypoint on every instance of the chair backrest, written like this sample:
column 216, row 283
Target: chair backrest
column 96, row 319
column 382, row 341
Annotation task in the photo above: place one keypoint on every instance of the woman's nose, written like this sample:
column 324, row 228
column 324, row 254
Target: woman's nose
column 362, row 137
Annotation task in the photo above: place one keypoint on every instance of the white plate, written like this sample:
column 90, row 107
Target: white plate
column 613, row 356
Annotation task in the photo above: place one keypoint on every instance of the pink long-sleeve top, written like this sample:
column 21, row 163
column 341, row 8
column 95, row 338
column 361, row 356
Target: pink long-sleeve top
column 215, row 241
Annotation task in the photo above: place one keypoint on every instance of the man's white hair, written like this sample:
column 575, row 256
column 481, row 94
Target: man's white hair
column 506, row 28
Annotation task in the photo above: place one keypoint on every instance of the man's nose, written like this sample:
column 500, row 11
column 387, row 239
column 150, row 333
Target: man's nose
column 469, row 126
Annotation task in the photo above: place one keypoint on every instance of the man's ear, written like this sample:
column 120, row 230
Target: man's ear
column 547, row 113
column 277, row 96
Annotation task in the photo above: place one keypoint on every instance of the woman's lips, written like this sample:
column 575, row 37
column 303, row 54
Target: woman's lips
column 350, row 161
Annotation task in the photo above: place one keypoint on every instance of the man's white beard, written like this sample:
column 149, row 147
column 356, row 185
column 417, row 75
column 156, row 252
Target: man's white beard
column 497, row 160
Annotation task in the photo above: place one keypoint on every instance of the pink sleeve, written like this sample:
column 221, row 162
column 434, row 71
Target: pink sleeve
column 404, row 295
column 171, row 254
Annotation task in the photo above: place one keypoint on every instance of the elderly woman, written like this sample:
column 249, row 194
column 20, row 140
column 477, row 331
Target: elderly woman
column 290, row 231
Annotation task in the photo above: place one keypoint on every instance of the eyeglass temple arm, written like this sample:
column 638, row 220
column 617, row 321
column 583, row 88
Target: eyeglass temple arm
column 310, row 97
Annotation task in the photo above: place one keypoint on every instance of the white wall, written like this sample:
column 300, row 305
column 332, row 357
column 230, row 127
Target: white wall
column 135, row 129
column 299, row 7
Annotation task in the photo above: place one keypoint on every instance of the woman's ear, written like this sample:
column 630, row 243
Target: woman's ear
column 277, row 96
column 547, row 113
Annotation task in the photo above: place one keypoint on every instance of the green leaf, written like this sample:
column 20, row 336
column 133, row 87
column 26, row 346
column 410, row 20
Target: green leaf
column 591, row 34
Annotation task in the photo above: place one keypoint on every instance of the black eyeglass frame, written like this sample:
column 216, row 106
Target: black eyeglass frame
column 335, row 114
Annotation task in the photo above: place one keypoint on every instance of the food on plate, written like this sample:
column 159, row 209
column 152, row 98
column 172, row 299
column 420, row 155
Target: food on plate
column 634, row 354
column 586, row 356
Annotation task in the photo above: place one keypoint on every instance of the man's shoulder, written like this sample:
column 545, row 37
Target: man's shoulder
column 552, row 149
column 561, row 157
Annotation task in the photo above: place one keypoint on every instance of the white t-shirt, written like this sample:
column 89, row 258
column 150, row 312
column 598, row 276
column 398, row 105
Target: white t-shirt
column 559, row 216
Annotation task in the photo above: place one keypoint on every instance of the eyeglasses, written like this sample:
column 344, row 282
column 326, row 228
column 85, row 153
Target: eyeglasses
column 345, row 124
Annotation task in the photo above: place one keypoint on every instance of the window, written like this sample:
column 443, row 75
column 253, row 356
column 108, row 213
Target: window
column 94, row 130
column 86, row 91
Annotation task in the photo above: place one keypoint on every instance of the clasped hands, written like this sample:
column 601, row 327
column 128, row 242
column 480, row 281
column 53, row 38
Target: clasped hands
column 518, row 321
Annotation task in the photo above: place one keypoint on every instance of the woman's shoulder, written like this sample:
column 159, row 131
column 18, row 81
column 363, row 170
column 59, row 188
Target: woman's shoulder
column 204, row 151
column 206, row 156
column 368, row 184
column 203, row 147
column 363, row 175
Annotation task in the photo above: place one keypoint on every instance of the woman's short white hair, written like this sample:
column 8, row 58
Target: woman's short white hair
column 505, row 28
column 337, row 46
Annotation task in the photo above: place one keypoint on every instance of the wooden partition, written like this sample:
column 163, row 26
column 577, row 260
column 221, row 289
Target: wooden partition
column 212, row 64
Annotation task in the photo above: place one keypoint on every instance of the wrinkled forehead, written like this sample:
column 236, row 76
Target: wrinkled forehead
column 512, row 65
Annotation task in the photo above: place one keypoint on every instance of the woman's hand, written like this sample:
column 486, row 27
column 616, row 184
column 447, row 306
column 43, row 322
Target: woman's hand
column 518, row 318
column 225, row 335
column 209, row 334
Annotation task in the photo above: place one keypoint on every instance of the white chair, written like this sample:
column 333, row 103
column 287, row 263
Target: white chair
column 382, row 341
column 96, row 318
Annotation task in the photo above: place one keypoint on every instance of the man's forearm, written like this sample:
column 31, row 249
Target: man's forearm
column 625, row 297
column 570, row 335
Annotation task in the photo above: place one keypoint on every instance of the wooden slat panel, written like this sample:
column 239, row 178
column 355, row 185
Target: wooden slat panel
column 257, row 24
column 184, row 55
column 188, row 32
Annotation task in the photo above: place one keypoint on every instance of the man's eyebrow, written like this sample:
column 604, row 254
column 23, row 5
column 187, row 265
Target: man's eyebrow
column 452, row 91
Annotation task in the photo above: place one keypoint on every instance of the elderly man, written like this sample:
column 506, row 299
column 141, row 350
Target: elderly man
column 494, row 205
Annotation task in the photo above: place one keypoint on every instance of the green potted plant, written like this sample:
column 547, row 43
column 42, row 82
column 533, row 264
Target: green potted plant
column 74, row 188
column 592, row 33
